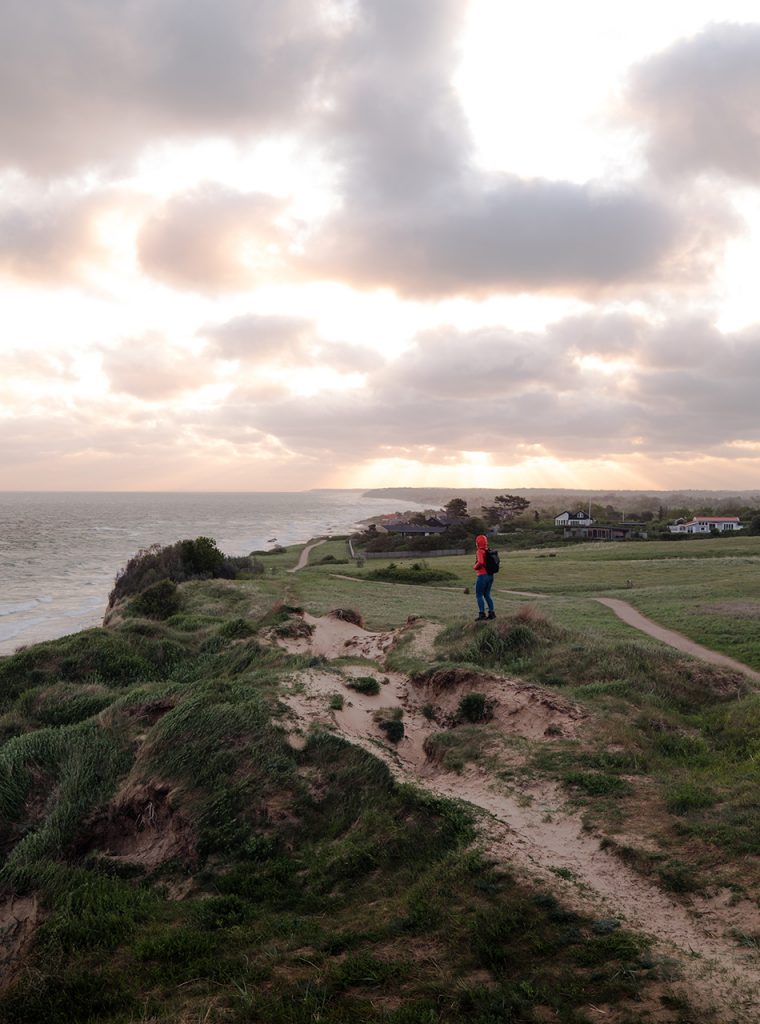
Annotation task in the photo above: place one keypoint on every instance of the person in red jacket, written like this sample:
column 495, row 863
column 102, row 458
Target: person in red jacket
column 483, row 581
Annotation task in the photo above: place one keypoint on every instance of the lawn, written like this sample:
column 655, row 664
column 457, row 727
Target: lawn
column 707, row 589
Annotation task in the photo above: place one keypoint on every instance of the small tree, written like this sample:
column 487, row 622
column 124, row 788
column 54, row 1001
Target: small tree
column 158, row 601
column 201, row 556
column 504, row 508
column 456, row 508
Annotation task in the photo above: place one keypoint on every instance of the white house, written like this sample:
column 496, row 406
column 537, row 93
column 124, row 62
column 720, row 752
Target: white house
column 573, row 519
column 706, row 524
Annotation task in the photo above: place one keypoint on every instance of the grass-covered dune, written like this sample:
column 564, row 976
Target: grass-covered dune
column 173, row 848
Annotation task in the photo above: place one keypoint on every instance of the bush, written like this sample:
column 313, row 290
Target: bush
column 474, row 707
column 158, row 601
column 393, row 729
column 417, row 572
column 364, row 684
column 185, row 560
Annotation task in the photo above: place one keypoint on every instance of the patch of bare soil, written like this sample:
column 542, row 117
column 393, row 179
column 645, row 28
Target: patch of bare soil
column 140, row 827
column 331, row 637
column 422, row 636
column 532, row 828
column 19, row 918
column 520, row 709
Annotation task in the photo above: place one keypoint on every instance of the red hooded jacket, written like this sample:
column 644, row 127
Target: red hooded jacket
column 480, row 562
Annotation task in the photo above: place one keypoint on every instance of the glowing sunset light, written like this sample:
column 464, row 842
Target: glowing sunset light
column 380, row 242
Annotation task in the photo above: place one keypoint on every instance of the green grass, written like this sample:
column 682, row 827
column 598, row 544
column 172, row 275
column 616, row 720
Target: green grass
column 313, row 885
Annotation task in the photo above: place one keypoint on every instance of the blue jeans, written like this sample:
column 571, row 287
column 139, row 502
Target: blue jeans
column 483, row 586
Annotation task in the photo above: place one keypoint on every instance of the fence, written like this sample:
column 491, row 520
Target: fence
column 412, row 554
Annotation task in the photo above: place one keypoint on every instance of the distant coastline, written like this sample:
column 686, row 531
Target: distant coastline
column 567, row 495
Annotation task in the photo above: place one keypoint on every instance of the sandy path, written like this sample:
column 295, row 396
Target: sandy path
column 530, row 826
column 303, row 559
column 634, row 618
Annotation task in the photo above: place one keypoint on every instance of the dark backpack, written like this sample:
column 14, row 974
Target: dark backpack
column 492, row 561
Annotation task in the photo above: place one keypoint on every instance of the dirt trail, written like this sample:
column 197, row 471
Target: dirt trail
column 634, row 618
column 529, row 827
column 303, row 559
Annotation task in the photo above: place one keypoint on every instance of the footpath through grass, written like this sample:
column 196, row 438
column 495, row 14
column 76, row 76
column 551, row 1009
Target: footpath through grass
column 670, row 753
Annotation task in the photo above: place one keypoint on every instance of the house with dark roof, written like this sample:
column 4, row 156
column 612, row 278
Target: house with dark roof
column 606, row 531
column 573, row 519
column 413, row 530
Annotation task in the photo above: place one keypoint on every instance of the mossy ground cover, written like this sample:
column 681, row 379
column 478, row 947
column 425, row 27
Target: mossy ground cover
column 294, row 885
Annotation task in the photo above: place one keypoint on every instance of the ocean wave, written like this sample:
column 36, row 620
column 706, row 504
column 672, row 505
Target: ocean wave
column 16, row 609
column 15, row 630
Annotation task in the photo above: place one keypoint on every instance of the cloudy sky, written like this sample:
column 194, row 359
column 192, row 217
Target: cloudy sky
column 281, row 244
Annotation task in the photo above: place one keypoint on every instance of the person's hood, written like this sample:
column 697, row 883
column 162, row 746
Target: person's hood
column 481, row 540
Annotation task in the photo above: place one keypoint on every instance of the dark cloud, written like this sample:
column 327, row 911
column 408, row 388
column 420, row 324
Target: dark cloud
column 418, row 218
column 394, row 123
column 212, row 239
column 699, row 100
column 510, row 236
column 85, row 82
column 373, row 95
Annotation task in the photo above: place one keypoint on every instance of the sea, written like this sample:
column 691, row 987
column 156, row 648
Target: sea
column 60, row 552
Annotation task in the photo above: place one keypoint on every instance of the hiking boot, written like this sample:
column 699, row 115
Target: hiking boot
column 481, row 617
column 491, row 615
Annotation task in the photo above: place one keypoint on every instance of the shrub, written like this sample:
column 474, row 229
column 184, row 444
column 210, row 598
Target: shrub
column 158, row 601
column 336, row 702
column 185, row 560
column 417, row 572
column 474, row 707
column 393, row 729
column 364, row 684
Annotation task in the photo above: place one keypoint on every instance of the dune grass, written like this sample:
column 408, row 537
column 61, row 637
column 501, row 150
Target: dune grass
column 313, row 886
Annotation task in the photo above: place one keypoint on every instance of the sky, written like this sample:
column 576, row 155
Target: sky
column 284, row 244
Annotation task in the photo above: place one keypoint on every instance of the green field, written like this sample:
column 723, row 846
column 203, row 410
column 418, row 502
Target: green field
column 707, row 589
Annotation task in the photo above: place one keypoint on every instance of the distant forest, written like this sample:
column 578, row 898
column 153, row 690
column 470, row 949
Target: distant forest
column 556, row 499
